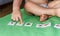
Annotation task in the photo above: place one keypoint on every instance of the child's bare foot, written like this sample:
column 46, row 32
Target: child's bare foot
column 44, row 17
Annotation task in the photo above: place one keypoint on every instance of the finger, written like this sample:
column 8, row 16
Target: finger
column 41, row 18
column 20, row 20
column 13, row 18
column 16, row 18
column 44, row 17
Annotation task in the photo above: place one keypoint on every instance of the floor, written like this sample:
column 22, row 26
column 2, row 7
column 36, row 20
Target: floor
column 5, row 9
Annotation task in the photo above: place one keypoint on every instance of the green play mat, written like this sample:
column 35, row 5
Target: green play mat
column 6, row 30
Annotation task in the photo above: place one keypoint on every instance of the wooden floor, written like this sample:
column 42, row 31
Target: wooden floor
column 5, row 9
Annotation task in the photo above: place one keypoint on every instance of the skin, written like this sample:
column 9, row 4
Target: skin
column 34, row 9
column 38, row 2
column 50, row 11
column 16, row 14
column 41, row 11
column 55, row 5
column 52, row 4
column 45, row 16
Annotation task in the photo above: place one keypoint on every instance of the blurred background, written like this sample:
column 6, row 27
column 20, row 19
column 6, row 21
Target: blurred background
column 5, row 7
column 4, row 1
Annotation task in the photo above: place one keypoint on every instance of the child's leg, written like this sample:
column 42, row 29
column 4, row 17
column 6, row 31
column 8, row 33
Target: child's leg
column 44, row 17
column 37, row 10
column 39, row 1
column 42, row 3
column 56, row 5
column 51, row 5
column 27, row 11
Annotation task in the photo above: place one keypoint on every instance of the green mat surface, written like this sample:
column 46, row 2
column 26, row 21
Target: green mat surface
column 6, row 30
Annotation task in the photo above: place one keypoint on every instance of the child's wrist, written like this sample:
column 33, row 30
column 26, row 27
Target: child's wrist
column 16, row 9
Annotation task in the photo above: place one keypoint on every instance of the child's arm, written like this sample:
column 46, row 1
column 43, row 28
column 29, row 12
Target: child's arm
column 16, row 4
column 16, row 15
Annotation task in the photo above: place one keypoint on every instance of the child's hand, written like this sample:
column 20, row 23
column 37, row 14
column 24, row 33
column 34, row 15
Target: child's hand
column 16, row 16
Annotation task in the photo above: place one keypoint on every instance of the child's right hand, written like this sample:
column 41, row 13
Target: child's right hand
column 16, row 16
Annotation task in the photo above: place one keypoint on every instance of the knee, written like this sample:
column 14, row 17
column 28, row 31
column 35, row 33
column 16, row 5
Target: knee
column 27, row 5
column 53, row 4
